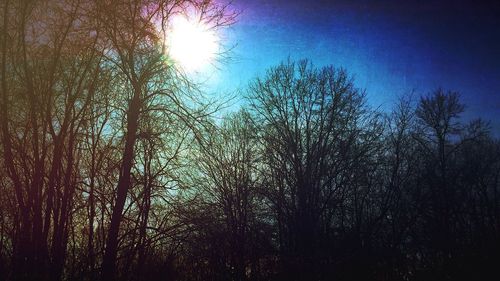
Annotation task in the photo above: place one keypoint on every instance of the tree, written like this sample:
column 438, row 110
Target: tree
column 316, row 131
column 228, row 162
column 129, row 28
column 47, row 64
column 57, row 83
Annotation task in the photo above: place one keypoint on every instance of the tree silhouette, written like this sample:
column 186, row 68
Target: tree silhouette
column 114, row 168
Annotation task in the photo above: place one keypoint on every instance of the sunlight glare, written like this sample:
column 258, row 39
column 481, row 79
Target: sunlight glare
column 192, row 44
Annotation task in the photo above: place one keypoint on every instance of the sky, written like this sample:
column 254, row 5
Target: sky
column 389, row 47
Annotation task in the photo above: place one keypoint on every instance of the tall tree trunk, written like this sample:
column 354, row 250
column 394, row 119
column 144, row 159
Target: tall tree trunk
column 109, row 260
column 91, row 209
column 59, row 241
column 144, row 216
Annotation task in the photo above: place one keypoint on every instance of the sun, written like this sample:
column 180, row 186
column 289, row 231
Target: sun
column 191, row 44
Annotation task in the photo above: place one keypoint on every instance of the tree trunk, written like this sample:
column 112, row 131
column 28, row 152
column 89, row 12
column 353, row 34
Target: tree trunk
column 109, row 260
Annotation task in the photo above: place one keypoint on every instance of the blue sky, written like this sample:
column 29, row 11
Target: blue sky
column 390, row 47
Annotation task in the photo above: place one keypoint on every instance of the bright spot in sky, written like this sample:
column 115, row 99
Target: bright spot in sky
column 192, row 44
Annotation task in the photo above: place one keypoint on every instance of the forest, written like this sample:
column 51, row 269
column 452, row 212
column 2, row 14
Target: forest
column 116, row 166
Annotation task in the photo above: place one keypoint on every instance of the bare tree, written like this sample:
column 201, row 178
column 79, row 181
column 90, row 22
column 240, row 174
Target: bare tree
column 228, row 162
column 129, row 27
column 312, row 120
